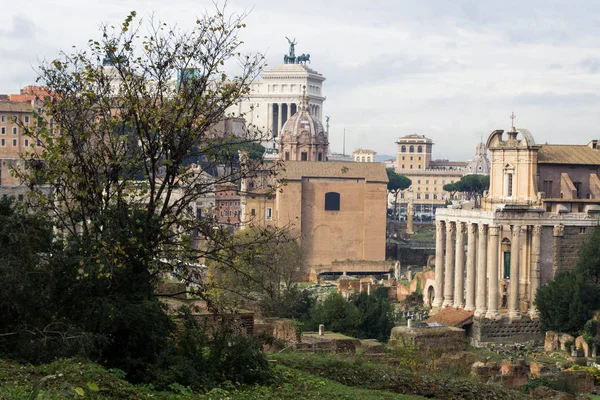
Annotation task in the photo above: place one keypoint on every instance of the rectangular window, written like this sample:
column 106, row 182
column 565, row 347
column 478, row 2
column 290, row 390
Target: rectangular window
column 548, row 207
column 509, row 184
column 332, row 201
column 287, row 156
column 269, row 213
column 320, row 157
column 15, row 130
column 3, row 142
column 304, row 156
column 507, row 265
column 3, row 118
column 26, row 142
column 253, row 212
column 27, row 119
column 3, row 130
column 14, row 142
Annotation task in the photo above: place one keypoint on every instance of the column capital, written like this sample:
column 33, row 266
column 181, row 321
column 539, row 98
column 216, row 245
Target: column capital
column 472, row 227
column 537, row 230
column 450, row 227
column 481, row 228
column 494, row 230
column 524, row 229
column 460, row 227
column 439, row 225
column 516, row 231
column 559, row 230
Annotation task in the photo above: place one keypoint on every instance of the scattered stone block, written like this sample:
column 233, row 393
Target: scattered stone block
column 484, row 371
column 579, row 381
column 582, row 346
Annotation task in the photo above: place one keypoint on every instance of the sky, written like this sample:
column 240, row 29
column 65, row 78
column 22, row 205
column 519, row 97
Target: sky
column 451, row 70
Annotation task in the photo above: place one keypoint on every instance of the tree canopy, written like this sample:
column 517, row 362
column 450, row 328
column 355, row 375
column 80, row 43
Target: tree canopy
column 397, row 183
column 472, row 185
column 568, row 301
column 114, row 198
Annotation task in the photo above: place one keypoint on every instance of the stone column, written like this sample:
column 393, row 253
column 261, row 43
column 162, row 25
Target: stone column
column 439, row 264
column 279, row 116
column 410, row 214
column 492, row 313
column 459, row 271
column 535, row 268
column 558, row 232
column 449, row 269
column 269, row 117
column 480, row 300
column 470, row 298
column 515, row 260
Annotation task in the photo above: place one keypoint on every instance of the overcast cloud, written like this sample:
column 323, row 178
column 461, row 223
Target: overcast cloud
column 451, row 70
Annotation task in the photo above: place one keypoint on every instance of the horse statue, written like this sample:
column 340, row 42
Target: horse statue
column 304, row 58
column 289, row 60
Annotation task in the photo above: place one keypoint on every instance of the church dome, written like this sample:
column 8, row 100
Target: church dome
column 481, row 163
column 302, row 136
column 302, row 123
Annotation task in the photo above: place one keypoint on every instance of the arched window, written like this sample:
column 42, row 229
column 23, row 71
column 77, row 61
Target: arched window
column 411, row 149
column 420, row 149
column 332, row 201
column 404, row 149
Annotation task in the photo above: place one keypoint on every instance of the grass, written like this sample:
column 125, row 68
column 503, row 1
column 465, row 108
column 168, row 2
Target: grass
column 426, row 235
column 403, row 379
column 71, row 378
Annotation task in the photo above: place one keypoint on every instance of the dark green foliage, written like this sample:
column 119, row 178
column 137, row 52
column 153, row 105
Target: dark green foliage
column 293, row 303
column 567, row 302
column 199, row 360
column 377, row 317
column 337, row 314
column 396, row 183
column 69, row 304
column 363, row 316
column 589, row 259
column 472, row 185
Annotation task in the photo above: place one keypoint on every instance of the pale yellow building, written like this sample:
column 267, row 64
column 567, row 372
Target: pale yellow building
column 428, row 176
column 364, row 155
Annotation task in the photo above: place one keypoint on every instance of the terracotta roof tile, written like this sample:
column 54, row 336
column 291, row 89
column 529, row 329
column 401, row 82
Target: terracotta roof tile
column 568, row 154
column 371, row 172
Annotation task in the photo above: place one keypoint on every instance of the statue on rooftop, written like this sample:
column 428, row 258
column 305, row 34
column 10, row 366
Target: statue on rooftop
column 292, row 47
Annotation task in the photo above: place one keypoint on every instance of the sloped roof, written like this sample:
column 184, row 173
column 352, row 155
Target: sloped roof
column 451, row 316
column 371, row 172
column 568, row 154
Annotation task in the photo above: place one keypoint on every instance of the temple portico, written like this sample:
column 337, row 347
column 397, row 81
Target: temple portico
column 542, row 204
column 503, row 251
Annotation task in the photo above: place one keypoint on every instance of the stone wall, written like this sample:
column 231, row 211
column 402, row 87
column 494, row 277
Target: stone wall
column 503, row 330
column 438, row 340
column 573, row 239
column 286, row 330
column 362, row 266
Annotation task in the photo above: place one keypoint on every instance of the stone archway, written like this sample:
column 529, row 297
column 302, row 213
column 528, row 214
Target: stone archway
column 430, row 295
